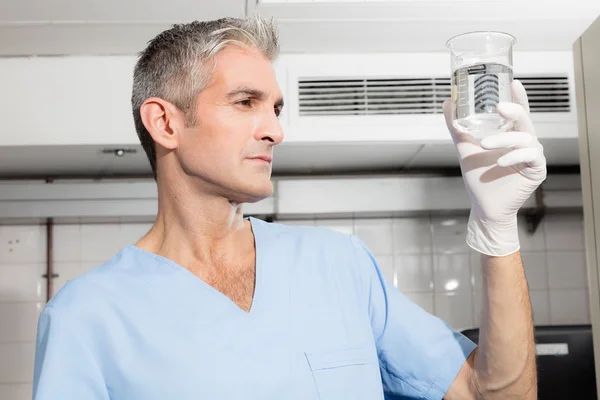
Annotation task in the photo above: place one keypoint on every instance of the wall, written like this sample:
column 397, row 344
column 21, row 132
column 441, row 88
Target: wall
column 425, row 257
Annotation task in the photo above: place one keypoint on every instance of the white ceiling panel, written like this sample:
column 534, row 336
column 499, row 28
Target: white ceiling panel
column 43, row 161
column 301, row 159
column 146, row 11
column 41, row 27
column 442, row 155
column 423, row 25
column 69, row 160
column 59, row 27
column 559, row 152
column 418, row 36
column 349, row 157
column 77, row 39
column 425, row 10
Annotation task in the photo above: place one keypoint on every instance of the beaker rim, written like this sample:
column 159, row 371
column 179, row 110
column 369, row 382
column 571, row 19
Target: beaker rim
column 498, row 33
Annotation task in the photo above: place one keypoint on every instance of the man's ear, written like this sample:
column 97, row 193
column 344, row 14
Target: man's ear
column 163, row 120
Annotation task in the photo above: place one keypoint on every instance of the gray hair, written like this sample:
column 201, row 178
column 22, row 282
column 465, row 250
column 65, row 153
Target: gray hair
column 176, row 65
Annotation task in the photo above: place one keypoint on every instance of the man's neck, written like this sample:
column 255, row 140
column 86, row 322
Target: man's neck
column 197, row 230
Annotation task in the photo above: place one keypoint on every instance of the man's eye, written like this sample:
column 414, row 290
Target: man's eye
column 245, row 103
column 278, row 111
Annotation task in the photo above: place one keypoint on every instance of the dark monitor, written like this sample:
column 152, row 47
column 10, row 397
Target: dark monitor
column 565, row 360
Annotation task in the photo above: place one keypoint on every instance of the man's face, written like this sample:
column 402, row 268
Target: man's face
column 231, row 146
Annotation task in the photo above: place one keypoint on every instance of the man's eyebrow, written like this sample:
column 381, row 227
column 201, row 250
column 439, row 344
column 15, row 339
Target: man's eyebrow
column 248, row 91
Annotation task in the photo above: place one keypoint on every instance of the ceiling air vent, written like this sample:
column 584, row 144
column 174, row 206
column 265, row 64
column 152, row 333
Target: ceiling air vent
column 548, row 94
column 366, row 96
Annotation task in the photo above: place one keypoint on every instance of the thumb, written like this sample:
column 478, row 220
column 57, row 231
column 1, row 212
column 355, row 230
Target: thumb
column 458, row 136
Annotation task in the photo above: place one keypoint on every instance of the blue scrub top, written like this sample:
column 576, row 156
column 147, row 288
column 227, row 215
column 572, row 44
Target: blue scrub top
column 324, row 325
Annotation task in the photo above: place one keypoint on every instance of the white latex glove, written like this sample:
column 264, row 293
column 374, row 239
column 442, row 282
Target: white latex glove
column 500, row 174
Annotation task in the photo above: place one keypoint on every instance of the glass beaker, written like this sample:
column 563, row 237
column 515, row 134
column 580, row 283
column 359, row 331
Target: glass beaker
column 481, row 78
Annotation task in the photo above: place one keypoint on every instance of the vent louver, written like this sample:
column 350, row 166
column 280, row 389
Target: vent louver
column 366, row 96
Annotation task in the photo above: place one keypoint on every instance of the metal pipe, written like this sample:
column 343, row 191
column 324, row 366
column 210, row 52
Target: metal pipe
column 49, row 265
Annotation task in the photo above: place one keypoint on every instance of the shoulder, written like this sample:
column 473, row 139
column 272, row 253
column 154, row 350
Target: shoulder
column 321, row 244
column 92, row 289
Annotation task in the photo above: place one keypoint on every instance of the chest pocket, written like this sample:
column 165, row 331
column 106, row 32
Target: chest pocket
column 349, row 374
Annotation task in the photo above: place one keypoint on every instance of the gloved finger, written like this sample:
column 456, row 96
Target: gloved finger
column 513, row 112
column 516, row 112
column 519, row 94
column 458, row 135
column 534, row 156
column 505, row 140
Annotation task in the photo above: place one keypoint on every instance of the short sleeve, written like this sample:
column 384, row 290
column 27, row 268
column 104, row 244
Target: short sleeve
column 419, row 354
column 64, row 368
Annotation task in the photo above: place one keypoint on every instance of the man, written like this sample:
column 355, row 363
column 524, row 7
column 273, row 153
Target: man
column 209, row 305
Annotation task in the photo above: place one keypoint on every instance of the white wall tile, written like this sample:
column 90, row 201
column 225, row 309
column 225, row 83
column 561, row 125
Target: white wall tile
column 67, row 243
column 535, row 270
column 455, row 308
column 386, row 264
column 377, row 235
column 132, row 232
column 414, row 272
column 19, row 321
column 452, row 272
column 16, row 362
column 540, row 303
column 16, row 391
column 423, row 300
column 298, row 222
column 22, row 244
column 567, row 270
column 564, row 232
column 412, row 235
column 340, row 225
column 450, row 234
column 529, row 242
column 569, row 307
column 66, row 272
column 22, row 282
column 86, row 266
column 99, row 242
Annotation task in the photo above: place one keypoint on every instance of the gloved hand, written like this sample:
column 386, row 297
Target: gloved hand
column 500, row 174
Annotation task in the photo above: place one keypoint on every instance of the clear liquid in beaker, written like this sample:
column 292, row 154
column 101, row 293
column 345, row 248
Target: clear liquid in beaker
column 478, row 88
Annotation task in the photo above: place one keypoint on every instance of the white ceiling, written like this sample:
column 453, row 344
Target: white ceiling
column 98, row 27
column 39, row 27
column 48, row 161
column 42, row 27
